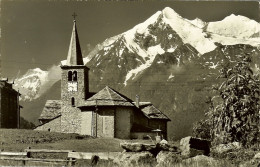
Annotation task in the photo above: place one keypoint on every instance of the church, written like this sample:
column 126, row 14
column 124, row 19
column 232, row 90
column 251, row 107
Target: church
column 106, row 113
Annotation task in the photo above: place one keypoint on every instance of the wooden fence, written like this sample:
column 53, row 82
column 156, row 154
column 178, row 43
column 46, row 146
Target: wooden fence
column 70, row 160
column 89, row 155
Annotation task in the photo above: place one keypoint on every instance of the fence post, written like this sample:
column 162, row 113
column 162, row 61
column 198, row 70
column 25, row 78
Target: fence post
column 24, row 162
column 94, row 160
column 71, row 161
column 28, row 152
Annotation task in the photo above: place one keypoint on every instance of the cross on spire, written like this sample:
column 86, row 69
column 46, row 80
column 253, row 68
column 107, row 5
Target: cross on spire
column 74, row 16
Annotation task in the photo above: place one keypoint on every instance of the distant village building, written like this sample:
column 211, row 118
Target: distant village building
column 9, row 106
column 104, row 114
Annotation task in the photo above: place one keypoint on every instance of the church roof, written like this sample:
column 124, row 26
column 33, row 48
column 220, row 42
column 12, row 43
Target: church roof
column 142, row 104
column 110, row 97
column 107, row 97
column 74, row 54
column 153, row 113
column 51, row 109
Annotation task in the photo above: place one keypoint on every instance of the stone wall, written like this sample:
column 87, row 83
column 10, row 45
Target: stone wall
column 105, row 122
column 71, row 115
column 111, row 122
column 52, row 126
column 123, row 123
column 82, row 86
column 70, row 120
column 86, row 123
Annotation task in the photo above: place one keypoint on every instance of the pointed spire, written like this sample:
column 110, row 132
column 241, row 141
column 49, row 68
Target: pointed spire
column 74, row 54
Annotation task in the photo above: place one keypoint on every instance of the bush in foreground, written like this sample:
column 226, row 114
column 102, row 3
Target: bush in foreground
column 234, row 112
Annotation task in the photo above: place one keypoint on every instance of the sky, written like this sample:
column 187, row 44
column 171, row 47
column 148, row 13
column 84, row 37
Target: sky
column 37, row 33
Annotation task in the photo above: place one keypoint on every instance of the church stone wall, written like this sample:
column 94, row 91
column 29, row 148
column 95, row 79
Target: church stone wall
column 105, row 122
column 123, row 122
column 82, row 84
column 86, row 123
column 70, row 120
column 52, row 126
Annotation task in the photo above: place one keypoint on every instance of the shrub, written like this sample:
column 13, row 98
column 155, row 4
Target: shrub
column 237, row 117
column 234, row 113
column 201, row 129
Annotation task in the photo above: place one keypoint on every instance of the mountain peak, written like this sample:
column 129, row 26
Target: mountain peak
column 198, row 22
column 236, row 17
column 35, row 71
column 189, row 32
column 235, row 26
column 38, row 70
column 140, row 28
column 169, row 13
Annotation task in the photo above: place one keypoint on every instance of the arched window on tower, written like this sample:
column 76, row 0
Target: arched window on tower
column 70, row 76
column 73, row 101
column 74, row 76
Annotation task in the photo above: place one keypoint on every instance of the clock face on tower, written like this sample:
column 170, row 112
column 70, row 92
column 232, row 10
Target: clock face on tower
column 72, row 86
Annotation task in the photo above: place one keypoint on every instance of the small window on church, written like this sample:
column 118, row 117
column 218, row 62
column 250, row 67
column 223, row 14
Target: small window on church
column 74, row 76
column 73, row 101
column 70, row 76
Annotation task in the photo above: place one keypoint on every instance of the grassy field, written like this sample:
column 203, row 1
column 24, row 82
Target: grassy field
column 18, row 140
column 14, row 140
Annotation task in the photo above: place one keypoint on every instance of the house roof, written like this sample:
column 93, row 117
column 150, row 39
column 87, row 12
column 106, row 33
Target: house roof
column 153, row 113
column 51, row 109
column 107, row 97
column 8, row 86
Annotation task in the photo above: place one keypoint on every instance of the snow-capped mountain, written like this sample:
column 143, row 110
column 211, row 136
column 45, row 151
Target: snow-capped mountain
column 198, row 22
column 236, row 26
column 35, row 82
column 235, row 30
column 170, row 61
column 167, row 32
column 30, row 83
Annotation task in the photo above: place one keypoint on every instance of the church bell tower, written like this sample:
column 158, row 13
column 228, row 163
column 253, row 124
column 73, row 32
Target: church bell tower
column 74, row 77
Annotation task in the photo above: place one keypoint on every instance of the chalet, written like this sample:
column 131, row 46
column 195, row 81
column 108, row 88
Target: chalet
column 9, row 105
column 106, row 113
